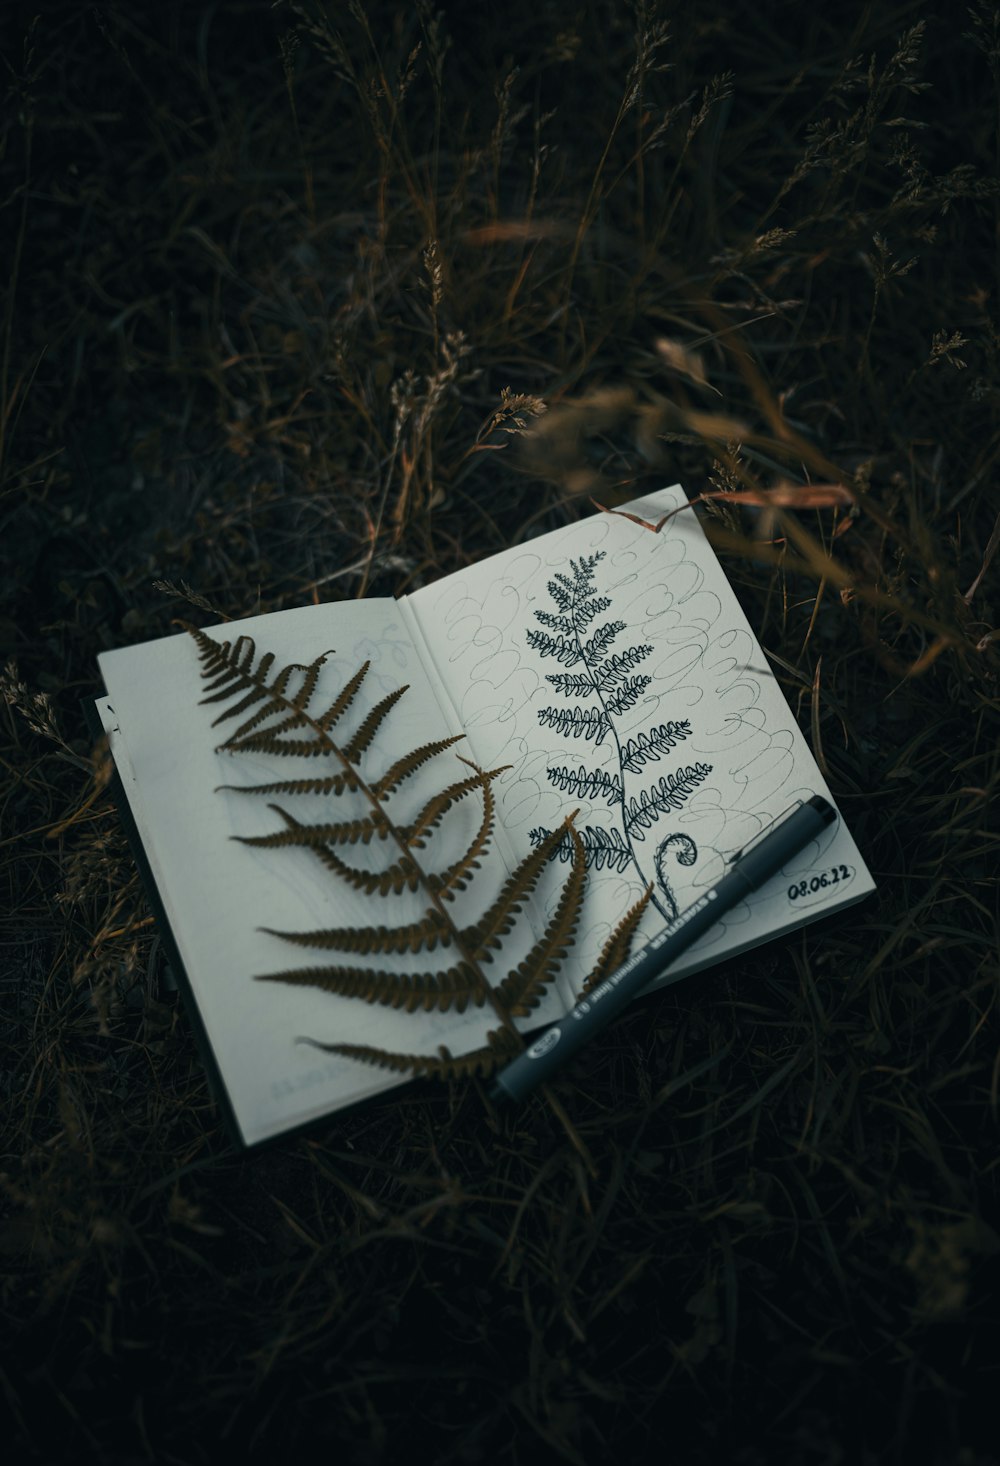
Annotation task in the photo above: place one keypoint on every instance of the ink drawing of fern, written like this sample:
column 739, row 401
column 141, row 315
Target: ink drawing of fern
column 609, row 684
column 277, row 715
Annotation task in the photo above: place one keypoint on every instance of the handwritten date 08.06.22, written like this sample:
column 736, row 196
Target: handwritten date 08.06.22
column 836, row 875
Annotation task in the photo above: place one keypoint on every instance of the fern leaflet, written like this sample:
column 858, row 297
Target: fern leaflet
column 434, row 811
column 600, row 847
column 408, row 765
column 500, row 1047
column 585, row 611
column 486, row 934
column 343, row 701
column 454, row 988
column 341, row 832
column 619, row 944
column 555, row 623
column 670, row 792
column 328, row 784
column 626, row 696
column 521, row 990
column 574, row 723
column 361, row 741
column 587, row 783
column 565, row 651
column 648, row 747
column 619, row 664
column 572, row 684
column 561, row 591
column 416, row 936
column 404, row 875
column 594, row 650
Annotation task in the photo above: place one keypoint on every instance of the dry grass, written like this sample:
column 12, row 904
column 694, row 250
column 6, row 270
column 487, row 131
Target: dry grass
column 315, row 301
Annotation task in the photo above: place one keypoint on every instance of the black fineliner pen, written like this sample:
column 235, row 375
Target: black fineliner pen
column 750, row 868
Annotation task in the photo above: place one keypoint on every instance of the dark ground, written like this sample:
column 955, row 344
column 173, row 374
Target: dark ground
column 270, row 273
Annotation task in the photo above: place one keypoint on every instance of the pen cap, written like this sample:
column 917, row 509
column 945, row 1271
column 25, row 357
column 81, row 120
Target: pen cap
column 760, row 861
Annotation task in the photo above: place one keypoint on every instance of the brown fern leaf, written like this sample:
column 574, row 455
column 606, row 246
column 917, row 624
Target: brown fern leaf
column 434, row 811
column 500, row 1047
column 454, row 988
column 360, row 742
column 339, row 706
column 222, row 661
column 618, row 946
column 228, row 666
column 268, row 741
column 494, row 924
column 417, row 936
column 231, row 668
column 270, row 713
column 342, row 832
column 240, row 740
column 521, row 989
column 403, row 876
column 332, row 784
column 260, row 689
column 448, row 883
column 409, row 764
column 253, row 696
column 303, row 697
column 276, row 693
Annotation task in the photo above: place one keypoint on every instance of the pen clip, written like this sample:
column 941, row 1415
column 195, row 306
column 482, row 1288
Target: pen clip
column 761, row 834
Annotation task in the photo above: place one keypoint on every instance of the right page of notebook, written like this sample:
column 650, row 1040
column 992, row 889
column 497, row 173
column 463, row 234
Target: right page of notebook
column 614, row 671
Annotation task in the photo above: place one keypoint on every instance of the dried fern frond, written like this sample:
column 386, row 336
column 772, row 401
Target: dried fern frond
column 270, row 741
column 230, row 668
column 403, row 875
column 340, row 832
column 501, row 1046
column 343, row 701
column 617, row 948
column 408, row 765
column 434, row 811
column 455, row 987
column 417, row 936
column 330, row 784
column 362, row 739
column 282, row 724
column 498, row 920
column 450, row 882
column 521, row 990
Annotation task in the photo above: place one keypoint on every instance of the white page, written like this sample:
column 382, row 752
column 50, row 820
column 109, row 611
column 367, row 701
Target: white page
column 706, row 671
column 218, row 892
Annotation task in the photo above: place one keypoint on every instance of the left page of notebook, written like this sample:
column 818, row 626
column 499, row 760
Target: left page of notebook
column 218, row 893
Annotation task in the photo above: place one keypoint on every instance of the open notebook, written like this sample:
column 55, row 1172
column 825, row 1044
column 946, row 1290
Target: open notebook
column 605, row 668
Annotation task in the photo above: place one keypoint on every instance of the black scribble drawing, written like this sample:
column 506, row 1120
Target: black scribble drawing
column 609, row 686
